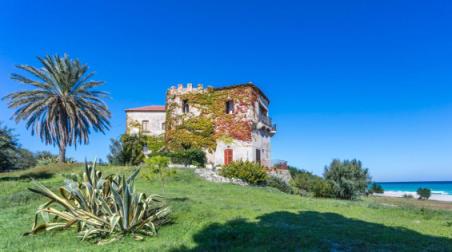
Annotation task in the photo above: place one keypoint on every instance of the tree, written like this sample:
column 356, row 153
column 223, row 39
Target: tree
column 348, row 178
column 62, row 106
column 117, row 154
column 158, row 166
column 424, row 193
column 376, row 188
column 12, row 156
column 8, row 148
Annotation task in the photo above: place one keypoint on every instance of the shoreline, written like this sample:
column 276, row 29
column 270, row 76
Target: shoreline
column 399, row 194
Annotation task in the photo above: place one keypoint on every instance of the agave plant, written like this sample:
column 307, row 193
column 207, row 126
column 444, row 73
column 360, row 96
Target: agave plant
column 103, row 208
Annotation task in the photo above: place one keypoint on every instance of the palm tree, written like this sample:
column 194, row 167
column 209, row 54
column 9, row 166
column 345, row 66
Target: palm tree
column 62, row 106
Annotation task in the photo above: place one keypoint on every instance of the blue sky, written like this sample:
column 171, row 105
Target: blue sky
column 363, row 79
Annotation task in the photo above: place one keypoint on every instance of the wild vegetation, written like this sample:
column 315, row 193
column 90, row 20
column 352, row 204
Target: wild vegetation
column 250, row 172
column 102, row 208
column 131, row 149
column 61, row 107
column 424, row 193
column 188, row 157
column 345, row 179
column 12, row 156
column 223, row 217
column 348, row 178
column 376, row 188
column 201, row 132
column 158, row 167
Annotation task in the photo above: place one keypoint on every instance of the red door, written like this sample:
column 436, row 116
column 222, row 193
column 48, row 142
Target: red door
column 228, row 156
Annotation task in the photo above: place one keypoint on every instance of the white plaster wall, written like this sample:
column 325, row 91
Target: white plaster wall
column 241, row 151
column 155, row 118
column 262, row 141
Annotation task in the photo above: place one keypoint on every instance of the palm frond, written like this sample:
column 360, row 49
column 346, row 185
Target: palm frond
column 63, row 106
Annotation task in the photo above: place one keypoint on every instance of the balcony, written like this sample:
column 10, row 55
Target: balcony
column 266, row 122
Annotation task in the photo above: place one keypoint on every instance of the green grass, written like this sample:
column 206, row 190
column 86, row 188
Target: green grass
column 213, row 217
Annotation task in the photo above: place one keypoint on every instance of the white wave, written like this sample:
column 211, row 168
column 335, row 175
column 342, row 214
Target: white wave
column 440, row 192
column 414, row 192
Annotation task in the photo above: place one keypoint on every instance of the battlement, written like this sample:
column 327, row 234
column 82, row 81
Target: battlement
column 189, row 88
column 180, row 89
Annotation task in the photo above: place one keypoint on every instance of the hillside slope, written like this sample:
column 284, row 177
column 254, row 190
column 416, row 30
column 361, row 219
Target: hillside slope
column 212, row 217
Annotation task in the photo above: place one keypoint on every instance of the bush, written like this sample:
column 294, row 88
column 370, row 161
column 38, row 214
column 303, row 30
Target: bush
column 376, row 188
column 102, row 208
column 279, row 184
column 424, row 193
column 188, row 157
column 348, row 178
column 303, row 181
column 247, row 171
column 322, row 189
column 46, row 158
column 407, row 196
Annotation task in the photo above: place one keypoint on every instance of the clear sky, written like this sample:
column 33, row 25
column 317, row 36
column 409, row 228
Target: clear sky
column 347, row 79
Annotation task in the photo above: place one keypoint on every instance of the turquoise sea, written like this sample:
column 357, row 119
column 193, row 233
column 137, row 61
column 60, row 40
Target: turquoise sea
column 437, row 187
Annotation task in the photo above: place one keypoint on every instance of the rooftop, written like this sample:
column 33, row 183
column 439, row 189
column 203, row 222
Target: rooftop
column 151, row 108
column 248, row 84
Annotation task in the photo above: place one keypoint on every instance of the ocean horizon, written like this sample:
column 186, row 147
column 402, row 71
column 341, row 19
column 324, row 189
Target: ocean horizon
column 436, row 187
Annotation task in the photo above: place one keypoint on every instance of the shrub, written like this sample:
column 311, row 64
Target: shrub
column 188, row 157
column 348, row 178
column 322, row 188
column 279, row 184
column 407, row 196
column 46, row 158
column 376, row 188
column 102, row 208
column 247, row 171
column 303, row 181
column 157, row 166
column 424, row 193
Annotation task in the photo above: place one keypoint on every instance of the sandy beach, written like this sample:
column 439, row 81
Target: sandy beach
column 399, row 194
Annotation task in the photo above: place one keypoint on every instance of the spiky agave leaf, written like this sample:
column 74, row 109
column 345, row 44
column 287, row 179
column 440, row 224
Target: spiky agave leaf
column 103, row 209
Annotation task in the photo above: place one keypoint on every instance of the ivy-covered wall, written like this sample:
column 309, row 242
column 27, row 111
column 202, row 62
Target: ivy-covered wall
column 207, row 120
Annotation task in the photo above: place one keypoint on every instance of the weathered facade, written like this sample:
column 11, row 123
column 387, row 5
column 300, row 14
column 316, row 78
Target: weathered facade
column 148, row 120
column 229, row 123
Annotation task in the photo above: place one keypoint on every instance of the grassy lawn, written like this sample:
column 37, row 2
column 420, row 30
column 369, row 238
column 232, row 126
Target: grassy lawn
column 212, row 217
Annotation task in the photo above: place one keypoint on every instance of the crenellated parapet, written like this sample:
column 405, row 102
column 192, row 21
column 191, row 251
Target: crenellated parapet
column 189, row 88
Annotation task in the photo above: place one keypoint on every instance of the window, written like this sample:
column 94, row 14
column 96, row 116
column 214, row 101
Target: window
column 185, row 107
column 258, row 156
column 229, row 107
column 145, row 126
column 163, row 125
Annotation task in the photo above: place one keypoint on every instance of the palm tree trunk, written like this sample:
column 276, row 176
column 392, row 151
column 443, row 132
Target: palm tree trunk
column 62, row 154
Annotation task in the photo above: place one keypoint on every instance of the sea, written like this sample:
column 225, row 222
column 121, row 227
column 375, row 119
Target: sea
column 436, row 187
